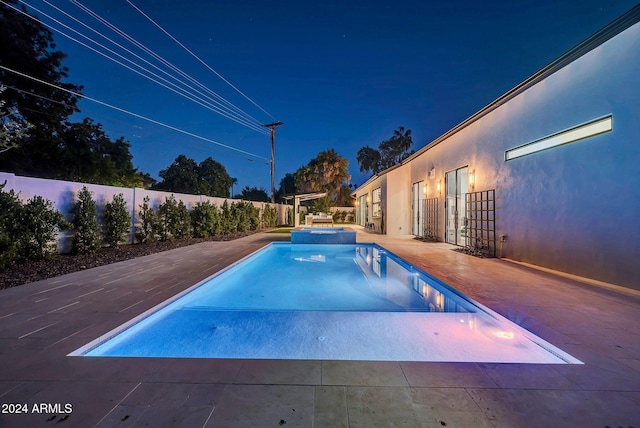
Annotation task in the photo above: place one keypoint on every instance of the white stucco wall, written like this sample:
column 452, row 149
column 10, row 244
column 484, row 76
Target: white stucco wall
column 573, row 208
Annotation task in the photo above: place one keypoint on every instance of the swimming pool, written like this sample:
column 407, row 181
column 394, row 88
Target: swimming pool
column 341, row 302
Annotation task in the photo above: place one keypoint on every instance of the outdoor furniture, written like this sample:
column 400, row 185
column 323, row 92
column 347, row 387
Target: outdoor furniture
column 319, row 220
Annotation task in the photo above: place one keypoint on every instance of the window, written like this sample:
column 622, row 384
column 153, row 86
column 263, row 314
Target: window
column 377, row 198
column 579, row 132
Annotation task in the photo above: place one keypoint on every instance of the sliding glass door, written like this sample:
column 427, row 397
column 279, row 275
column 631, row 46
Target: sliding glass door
column 457, row 185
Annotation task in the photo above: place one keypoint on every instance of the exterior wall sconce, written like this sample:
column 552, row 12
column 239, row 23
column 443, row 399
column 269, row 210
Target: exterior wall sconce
column 439, row 187
column 472, row 179
column 424, row 190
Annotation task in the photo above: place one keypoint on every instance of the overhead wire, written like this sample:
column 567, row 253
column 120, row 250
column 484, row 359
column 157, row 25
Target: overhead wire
column 121, row 121
column 197, row 57
column 159, row 58
column 184, row 75
column 179, row 91
column 139, row 116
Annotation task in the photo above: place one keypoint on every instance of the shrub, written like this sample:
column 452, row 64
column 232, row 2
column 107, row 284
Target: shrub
column 117, row 221
column 85, row 222
column 205, row 220
column 10, row 213
column 269, row 216
column 40, row 224
column 240, row 216
column 227, row 221
column 149, row 227
column 290, row 221
column 339, row 216
column 183, row 226
column 174, row 220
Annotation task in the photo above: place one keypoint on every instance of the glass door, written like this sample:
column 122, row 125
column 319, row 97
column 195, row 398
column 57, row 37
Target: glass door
column 417, row 209
column 457, row 185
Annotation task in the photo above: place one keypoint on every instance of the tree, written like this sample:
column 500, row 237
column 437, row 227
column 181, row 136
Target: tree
column 369, row 160
column 254, row 194
column 184, row 175
column 26, row 45
column 390, row 152
column 90, row 156
column 325, row 173
column 181, row 176
column 214, row 179
column 344, row 198
column 287, row 186
column 13, row 127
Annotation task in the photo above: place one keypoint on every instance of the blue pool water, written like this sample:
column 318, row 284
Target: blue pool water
column 298, row 301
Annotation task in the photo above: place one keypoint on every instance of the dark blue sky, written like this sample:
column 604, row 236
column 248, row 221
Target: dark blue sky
column 339, row 74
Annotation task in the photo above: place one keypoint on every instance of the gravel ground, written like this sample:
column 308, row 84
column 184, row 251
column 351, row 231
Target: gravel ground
column 30, row 271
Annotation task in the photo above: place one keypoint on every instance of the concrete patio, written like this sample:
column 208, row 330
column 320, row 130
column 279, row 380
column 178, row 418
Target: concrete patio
column 40, row 323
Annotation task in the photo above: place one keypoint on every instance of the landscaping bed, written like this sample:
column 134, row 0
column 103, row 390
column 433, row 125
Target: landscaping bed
column 30, row 271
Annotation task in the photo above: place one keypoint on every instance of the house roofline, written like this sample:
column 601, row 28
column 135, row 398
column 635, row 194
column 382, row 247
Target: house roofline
column 616, row 27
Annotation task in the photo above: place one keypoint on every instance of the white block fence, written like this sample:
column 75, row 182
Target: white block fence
column 63, row 195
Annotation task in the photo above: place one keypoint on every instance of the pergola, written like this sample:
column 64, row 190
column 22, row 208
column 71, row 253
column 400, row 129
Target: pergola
column 301, row 197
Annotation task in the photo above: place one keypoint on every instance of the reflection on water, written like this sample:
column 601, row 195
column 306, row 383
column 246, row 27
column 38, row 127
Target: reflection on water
column 386, row 274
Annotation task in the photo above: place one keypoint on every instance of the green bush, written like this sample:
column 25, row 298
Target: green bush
column 182, row 227
column 240, row 216
column 290, row 221
column 117, row 221
column 228, row 223
column 85, row 222
column 269, row 216
column 149, row 223
column 40, row 226
column 205, row 220
column 174, row 220
column 10, row 230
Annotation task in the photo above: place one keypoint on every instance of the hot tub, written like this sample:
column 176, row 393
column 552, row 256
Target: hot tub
column 323, row 235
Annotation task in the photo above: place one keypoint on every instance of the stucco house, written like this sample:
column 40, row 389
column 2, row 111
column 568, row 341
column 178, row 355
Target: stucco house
column 547, row 174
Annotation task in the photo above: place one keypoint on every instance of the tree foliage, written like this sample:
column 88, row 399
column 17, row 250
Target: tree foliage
column 389, row 153
column 184, row 175
column 26, row 45
column 53, row 147
column 254, row 194
column 13, row 127
column 325, row 173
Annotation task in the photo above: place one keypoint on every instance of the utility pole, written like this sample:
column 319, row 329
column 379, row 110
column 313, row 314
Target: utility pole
column 273, row 127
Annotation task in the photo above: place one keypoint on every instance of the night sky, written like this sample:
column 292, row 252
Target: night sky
column 339, row 74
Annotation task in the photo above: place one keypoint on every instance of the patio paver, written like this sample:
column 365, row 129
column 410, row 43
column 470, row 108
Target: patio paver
column 40, row 323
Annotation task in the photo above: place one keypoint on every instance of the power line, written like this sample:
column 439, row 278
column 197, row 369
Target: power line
column 139, row 116
column 180, row 91
column 233, row 110
column 198, row 58
column 159, row 58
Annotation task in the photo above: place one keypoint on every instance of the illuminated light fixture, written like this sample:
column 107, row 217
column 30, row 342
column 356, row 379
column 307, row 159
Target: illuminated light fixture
column 424, row 189
column 472, row 179
column 589, row 129
column 439, row 187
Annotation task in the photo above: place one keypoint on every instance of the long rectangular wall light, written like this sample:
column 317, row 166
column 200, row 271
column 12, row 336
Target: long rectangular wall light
column 589, row 129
